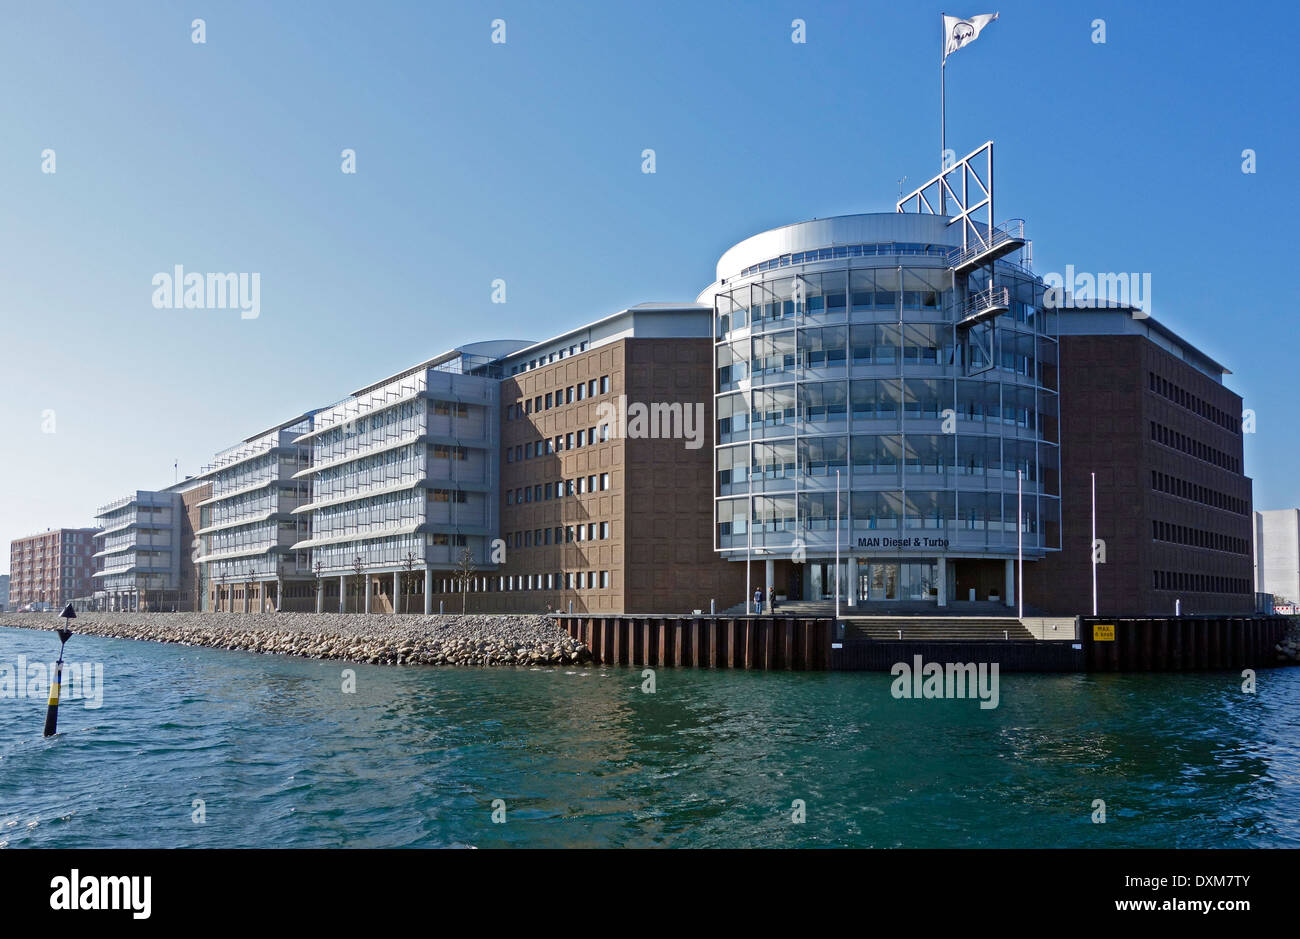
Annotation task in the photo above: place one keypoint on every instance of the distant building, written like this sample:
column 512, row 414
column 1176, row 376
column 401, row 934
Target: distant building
column 139, row 548
column 48, row 569
column 4, row 592
column 1277, row 554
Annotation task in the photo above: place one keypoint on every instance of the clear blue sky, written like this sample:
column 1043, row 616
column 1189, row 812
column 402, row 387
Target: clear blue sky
column 523, row 161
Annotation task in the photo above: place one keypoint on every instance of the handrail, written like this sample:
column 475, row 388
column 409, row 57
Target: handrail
column 1013, row 229
column 990, row 298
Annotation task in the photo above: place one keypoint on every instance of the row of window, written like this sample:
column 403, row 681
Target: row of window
column 1193, row 403
column 878, row 511
column 568, row 580
column 885, row 249
column 879, row 399
column 1172, row 485
column 556, row 444
column 1195, row 448
column 555, row 399
column 560, row 534
column 548, row 359
column 828, row 347
column 1198, row 538
column 1199, row 583
column 544, row 492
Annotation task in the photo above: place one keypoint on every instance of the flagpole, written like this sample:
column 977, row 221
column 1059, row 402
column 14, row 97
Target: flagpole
column 1020, row 546
column 1094, row 544
column 837, row 545
column 943, row 109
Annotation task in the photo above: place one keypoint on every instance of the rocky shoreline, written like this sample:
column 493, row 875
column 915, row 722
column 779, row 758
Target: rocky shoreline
column 474, row 640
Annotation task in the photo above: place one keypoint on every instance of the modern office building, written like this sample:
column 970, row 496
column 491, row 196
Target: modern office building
column 404, row 477
column 50, row 568
column 858, row 376
column 247, row 528
column 1148, row 414
column 890, row 407
column 139, row 549
column 1277, row 554
column 605, row 461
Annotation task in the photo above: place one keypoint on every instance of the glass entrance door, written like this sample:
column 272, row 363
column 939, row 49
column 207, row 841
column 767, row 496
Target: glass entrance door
column 884, row 581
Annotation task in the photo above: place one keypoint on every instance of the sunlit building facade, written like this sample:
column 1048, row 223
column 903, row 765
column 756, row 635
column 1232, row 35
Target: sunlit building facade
column 138, row 552
column 404, row 480
column 874, row 354
column 248, row 527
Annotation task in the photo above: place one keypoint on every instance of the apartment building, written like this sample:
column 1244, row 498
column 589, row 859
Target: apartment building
column 48, row 569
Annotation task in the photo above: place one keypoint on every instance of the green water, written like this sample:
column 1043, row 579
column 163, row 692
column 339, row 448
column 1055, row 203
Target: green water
column 280, row 756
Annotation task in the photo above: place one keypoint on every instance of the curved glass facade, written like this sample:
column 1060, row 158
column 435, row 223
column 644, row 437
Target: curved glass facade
column 857, row 365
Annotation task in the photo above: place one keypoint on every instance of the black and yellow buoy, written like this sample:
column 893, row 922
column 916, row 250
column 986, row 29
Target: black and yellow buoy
column 52, row 712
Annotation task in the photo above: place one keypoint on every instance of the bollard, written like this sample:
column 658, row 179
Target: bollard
column 439, row 607
column 52, row 709
column 570, row 607
column 711, row 606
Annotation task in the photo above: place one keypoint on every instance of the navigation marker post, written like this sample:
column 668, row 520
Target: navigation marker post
column 52, row 710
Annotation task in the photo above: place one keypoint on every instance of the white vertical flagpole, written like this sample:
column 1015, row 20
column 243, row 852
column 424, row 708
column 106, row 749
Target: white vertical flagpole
column 1020, row 547
column 943, row 110
column 837, row 544
column 1093, row 547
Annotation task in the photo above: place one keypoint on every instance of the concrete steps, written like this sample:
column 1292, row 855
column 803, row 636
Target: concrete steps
column 935, row 628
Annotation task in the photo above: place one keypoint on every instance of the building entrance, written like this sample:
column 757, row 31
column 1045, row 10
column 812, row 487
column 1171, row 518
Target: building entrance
column 898, row 580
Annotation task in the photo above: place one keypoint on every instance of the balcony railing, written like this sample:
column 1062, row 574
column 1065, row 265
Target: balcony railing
column 984, row 305
column 998, row 241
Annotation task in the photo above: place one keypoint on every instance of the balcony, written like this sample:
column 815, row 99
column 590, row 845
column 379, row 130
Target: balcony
column 983, row 306
column 1000, row 241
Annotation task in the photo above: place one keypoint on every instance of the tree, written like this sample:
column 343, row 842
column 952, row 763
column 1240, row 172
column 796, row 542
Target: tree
column 248, row 588
column 464, row 571
column 320, row 586
column 359, row 569
column 408, row 581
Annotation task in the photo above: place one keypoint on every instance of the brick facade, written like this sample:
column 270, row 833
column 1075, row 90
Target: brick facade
column 52, row 567
column 1173, row 505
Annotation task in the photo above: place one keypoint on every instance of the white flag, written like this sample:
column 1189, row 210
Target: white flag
column 958, row 32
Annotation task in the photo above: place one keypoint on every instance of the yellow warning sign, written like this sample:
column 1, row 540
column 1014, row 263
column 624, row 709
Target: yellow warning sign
column 1103, row 632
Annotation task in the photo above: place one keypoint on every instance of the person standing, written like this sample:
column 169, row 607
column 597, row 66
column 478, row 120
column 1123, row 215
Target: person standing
column 758, row 600
column 771, row 599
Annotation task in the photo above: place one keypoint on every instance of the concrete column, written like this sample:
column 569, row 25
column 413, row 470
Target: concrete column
column 343, row 593
column 428, row 589
column 279, row 594
column 320, row 595
column 397, row 589
column 1009, row 594
column 853, row 581
column 943, row 581
column 769, row 576
column 365, row 586
column 262, row 596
